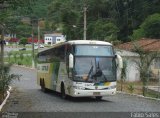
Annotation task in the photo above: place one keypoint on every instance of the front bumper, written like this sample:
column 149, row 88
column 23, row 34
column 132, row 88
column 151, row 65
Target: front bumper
column 90, row 93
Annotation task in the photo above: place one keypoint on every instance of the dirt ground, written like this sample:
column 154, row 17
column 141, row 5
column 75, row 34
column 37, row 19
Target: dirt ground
column 135, row 86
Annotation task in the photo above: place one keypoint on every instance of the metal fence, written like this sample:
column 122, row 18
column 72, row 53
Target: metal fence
column 153, row 88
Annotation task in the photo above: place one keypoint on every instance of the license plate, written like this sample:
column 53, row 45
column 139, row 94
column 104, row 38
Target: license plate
column 96, row 93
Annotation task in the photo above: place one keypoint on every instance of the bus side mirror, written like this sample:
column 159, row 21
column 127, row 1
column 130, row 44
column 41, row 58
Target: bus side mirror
column 70, row 60
column 119, row 61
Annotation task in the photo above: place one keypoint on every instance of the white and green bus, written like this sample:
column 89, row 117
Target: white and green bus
column 79, row 68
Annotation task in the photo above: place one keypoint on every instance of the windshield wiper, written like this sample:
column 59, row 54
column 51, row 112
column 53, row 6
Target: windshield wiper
column 90, row 71
column 98, row 71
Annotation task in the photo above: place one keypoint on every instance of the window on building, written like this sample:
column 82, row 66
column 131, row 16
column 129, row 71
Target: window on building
column 58, row 39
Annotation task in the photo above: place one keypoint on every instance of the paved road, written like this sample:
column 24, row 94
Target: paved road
column 26, row 96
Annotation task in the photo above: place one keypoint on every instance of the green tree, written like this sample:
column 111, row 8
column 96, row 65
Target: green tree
column 7, row 11
column 124, row 14
column 138, row 34
column 69, row 14
column 23, row 41
column 103, row 30
column 23, row 30
column 149, row 28
column 66, row 15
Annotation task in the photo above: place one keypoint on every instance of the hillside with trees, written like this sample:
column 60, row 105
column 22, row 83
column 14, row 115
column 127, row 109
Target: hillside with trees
column 108, row 20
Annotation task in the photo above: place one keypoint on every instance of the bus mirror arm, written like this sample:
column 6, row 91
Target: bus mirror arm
column 119, row 61
column 71, row 61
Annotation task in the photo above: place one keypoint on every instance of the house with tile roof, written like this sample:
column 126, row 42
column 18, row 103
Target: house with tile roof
column 126, row 51
column 144, row 43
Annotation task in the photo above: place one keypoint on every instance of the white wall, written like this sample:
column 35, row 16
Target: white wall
column 132, row 73
column 60, row 39
column 47, row 40
column 132, row 70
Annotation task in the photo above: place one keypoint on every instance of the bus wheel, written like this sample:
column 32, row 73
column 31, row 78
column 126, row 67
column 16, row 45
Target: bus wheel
column 63, row 94
column 43, row 86
column 98, row 97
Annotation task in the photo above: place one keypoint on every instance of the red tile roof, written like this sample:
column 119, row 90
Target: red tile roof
column 14, row 40
column 146, row 44
column 35, row 40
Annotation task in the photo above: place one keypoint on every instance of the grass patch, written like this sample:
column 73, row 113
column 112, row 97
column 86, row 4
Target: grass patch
column 24, row 52
column 152, row 94
column 27, row 60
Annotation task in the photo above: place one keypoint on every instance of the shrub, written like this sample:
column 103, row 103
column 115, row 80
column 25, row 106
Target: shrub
column 19, row 63
column 131, row 88
column 21, row 56
column 9, row 56
column 15, row 57
column 6, row 78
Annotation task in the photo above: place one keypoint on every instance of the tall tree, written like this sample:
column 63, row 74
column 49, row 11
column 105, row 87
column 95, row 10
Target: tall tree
column 149, row 28
column 127, row 15
column 7, row 11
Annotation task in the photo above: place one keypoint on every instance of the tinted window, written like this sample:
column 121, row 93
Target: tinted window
column 93, row 50
column 54, row 54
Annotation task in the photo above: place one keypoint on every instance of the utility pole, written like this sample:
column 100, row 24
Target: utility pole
column 38, row 35
column 85, row 22
column 2, row 48
column 33, row 65
column 158, row 84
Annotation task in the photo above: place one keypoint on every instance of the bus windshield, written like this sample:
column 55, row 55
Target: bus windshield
column 95, row 69
column 93, row 50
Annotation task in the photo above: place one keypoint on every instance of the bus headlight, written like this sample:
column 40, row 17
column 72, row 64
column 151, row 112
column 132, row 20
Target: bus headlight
column 78, row 87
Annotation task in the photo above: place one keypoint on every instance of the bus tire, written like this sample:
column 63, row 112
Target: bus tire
column 98, row 98
column 43, row 88
column 63, row 94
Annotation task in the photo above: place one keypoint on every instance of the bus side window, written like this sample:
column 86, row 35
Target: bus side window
column 61, row 53
column 41, row 57
column 49, row 56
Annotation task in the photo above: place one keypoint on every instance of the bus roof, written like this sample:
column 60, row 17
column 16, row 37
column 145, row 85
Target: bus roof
column 72, row 42
column 89, row 42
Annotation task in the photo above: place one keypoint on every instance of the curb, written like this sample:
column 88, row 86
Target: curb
column 5, row 100
column 141, row 96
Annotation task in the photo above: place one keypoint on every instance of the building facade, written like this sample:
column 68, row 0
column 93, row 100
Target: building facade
column 54, row 38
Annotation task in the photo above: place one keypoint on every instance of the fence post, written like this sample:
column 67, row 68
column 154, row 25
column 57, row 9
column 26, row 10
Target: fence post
column 158, row 84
